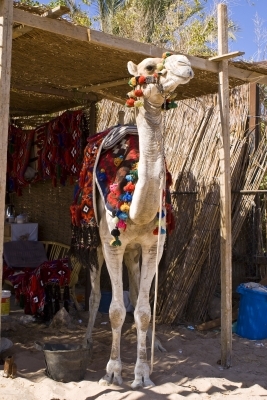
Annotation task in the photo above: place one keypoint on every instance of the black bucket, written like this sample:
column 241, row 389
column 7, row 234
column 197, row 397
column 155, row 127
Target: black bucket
column 65, row 362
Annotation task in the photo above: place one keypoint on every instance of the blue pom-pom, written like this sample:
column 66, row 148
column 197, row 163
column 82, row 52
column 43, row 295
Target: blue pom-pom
column 129, row 178
column 102, row 176
column 127, row 197
column 122, row 215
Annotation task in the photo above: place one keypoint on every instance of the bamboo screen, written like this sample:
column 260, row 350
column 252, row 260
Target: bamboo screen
column 190, row 267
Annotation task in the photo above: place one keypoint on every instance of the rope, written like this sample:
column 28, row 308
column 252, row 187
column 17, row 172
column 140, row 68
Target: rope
column 156, row 279
column 161, row 188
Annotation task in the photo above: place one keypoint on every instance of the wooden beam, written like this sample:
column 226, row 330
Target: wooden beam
column 6, row 20
column 54, row 13
column 233, row 54
column 70, row 94
column 225, row 194
column 104, row 40
column 110, row 97
column 104, row 85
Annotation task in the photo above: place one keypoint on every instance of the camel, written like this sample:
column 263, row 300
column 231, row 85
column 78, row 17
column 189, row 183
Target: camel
column 154, row 80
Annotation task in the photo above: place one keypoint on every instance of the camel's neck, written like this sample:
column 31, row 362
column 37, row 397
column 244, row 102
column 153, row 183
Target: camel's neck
column 146, row 196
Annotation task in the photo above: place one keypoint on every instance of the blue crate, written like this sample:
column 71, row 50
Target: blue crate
column 252, row 314
column 105, row 302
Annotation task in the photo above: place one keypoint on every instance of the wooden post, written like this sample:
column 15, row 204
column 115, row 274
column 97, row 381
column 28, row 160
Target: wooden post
column 92, row 130
column 225, row 194
column 6, row 21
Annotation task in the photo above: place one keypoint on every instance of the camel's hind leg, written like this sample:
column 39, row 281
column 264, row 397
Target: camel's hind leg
column 95, row 297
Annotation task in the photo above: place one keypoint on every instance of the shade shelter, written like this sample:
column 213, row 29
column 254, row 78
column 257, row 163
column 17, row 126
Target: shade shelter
column 54, row 65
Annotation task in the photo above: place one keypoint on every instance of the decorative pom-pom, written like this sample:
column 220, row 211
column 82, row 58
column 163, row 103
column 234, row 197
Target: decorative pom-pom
column 138, row 103
column 167, row 54
column 127, row 197
column 113, row 187
column 102, row 176
column 115, row 232
column 138, row 93
column 130, row 103
column 122, row 215
column 115, row 242
column 134, row 173
column 115, row 220
column 156, row 231
column 129, row 178
column 122, row 224
column 129, row 187
column 132, row 81
column 118, row 161
column 132, row 94
column 141, row 80
column 125, row 208
column 159, row 66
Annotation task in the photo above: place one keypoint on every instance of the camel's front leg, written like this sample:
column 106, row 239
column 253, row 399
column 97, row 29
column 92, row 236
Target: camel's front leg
column 117, row 312
column 142, row 315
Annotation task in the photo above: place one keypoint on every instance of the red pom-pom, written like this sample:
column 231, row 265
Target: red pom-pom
column 129, row 187
column 141, row 80
column 138, row 93
column 130, row 102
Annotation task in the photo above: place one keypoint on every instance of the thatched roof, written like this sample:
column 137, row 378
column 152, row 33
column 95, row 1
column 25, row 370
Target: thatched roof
column 57, row 65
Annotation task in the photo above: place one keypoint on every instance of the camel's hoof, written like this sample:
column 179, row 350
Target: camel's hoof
column 117, row 380
column 137, row 384
column 106, row 380
column 148, row 383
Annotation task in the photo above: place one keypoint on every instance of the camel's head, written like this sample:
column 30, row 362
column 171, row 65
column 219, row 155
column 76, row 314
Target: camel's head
column 167, row 72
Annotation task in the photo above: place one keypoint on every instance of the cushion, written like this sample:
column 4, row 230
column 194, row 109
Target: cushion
column 24, row 254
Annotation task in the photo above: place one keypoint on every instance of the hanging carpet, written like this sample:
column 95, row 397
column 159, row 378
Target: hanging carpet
column 109, row 160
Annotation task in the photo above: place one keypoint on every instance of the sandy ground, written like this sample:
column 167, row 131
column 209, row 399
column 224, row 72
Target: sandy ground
column 187, row 370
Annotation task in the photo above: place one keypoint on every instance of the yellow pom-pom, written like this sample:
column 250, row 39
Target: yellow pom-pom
column 124, row 207
column 132, row 82
column 159, row 66
column 131, row 94
column 138, row 103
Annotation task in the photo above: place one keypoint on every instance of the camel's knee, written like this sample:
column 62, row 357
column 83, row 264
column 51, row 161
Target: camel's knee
column 142, row 318
column 117, row 314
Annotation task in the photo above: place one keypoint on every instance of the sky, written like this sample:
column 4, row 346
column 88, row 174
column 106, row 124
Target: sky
column 243, row 13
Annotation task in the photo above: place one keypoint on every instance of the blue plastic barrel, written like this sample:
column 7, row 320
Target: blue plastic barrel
column 252, row 314
column 105, row 302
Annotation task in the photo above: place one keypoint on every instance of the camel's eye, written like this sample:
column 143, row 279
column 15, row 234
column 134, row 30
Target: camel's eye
column 150, row 68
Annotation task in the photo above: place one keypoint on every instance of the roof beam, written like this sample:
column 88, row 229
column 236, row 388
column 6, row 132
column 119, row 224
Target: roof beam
column 70, row 94
column 102, row 39
column 100, row 86
column 227, row 56
column 54, row 13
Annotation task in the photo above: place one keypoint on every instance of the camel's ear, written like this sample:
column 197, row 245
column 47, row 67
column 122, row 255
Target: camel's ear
column 132, row 68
